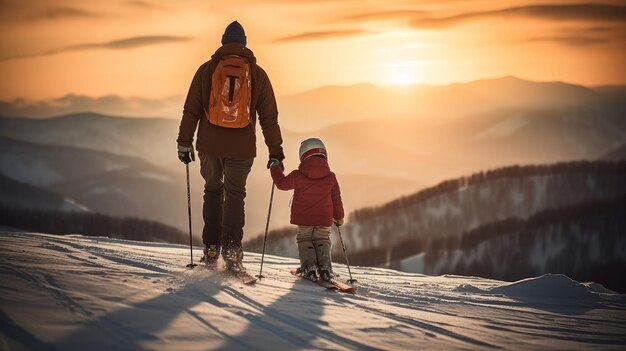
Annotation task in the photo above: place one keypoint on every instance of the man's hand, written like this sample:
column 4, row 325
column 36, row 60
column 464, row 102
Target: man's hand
column 338, row 222
column 276, row 157
column 186, row 154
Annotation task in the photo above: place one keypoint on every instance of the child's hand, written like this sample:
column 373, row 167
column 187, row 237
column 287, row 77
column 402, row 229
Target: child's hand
column 276, row 157
column 275, row 162
column 272, row 162
column 338, row 222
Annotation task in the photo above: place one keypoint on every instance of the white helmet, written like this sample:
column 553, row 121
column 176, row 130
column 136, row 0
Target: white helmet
column 311, row 147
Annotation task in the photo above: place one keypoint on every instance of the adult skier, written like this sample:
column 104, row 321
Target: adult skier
column 226, row 95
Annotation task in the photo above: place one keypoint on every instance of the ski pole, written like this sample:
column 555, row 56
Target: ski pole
column 267, row 225
column 190, row 265
column 350, row 281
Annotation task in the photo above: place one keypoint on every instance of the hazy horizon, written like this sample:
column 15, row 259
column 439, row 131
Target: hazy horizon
column 170, row 107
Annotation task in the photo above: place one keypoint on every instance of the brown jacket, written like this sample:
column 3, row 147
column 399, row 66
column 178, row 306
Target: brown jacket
column 230, row 142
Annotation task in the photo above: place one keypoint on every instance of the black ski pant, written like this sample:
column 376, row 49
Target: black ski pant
column 224, row 194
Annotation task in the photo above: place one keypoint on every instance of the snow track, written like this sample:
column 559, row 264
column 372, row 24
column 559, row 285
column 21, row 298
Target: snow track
column 74, row 292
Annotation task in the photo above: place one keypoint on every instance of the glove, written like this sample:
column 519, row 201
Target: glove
column 338, row 222
column 273, row 157
column 186, row 154
column 274, row 162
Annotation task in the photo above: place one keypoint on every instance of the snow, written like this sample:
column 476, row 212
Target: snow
column 550, row 247
column 31, row 171
column 503, row 128
column 439, row 209
column 155, row 176
column 545, row 288
column 75, row 292
column 73, row 206
column 548, row 286
column 599, row 288
column 413, row 264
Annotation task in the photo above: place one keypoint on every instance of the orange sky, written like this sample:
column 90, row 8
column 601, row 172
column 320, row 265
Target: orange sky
column 151, row 48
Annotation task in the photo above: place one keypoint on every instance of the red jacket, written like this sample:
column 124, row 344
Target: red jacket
column 317, row 198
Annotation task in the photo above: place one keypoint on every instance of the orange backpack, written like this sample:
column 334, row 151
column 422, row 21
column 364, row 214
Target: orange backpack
column 229, row 103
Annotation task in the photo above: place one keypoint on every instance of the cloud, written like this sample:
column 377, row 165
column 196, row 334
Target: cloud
column 601, row 29
column 581, row 37
column 62, row 12
column 144, row 5
column 109, row 105
column 139, row 3
column 570, row 40
column 386, row 15
column 590, row 12
column 16, row 11
column 320, row 35
column 127, row 43
column 565, row 12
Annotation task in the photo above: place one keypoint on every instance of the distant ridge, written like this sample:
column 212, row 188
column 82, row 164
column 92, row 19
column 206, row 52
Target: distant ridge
column 24, row 195
column 167, row 107
column 171, row 107
column 332, row 104
column 511, row 172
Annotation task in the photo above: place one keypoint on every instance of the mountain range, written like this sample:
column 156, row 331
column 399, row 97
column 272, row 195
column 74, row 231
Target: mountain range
column 117, row 165
column 329, row 105
column 89, row 180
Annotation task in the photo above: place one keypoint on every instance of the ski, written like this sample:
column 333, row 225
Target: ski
column 343, row 287
column 245, row 277
column 331, row 284
column 320, row 282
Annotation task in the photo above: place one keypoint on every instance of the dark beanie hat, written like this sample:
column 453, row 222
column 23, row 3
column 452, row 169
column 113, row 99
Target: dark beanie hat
column 234, row 34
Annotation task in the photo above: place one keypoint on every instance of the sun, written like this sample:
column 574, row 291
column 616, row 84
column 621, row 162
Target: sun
column 399, row 73
column 402, row 75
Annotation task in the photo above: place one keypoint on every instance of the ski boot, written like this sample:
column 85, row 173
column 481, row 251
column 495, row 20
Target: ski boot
column 326, row 274
column 324, row 262
column 308, row 272
column 233, row 258
column 211, row 253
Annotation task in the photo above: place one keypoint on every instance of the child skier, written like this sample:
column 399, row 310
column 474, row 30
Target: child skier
column 316, row 206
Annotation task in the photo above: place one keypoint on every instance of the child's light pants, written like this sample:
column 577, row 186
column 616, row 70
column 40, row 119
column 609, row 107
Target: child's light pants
column 314, row 247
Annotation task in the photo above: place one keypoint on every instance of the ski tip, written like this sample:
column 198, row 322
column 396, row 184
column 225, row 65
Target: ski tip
column 246, row 278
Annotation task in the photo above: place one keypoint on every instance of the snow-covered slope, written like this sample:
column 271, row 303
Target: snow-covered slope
column 73, row 292
column 148, row 138
column 102, row 182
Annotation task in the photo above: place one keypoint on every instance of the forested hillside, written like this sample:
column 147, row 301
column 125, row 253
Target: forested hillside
column 90, row 224
column 443, row 229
